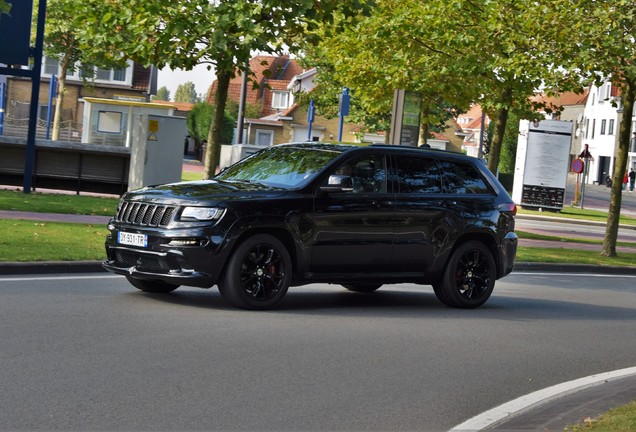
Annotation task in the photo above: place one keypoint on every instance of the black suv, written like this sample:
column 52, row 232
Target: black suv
column 296, row 214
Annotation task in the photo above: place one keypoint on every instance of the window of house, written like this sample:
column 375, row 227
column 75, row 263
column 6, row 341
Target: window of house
column 603, row 125
column 89, row 72
column 280, row 99
column 264, row 137
column 51, row 66
column 587, row 127
column 593, row 128
column 610, row 129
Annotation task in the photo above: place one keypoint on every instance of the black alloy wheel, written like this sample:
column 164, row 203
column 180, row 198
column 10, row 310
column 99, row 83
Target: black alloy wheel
column 258, row 273
column 469, row 277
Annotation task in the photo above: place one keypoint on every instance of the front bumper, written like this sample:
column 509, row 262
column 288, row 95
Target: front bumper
column 168, row 266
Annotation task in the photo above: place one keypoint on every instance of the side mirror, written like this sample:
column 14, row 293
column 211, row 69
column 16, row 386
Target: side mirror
column 338, row 183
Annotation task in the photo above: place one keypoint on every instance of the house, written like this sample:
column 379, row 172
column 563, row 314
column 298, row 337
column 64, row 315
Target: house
column 598, row 129
column 275, row 80
column 132, row 83
column 470, row 127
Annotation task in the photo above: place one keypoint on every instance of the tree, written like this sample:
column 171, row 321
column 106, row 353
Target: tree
column 163, row 94
column 186, row 92
column 603, row 44
column 496, row 53
column 221, row 33
column 66, row 40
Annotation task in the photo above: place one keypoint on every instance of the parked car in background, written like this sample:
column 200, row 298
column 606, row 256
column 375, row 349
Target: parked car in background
column 303, row 213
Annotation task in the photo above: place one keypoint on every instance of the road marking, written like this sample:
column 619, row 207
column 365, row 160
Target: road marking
column 45, row 278
column 495, row 415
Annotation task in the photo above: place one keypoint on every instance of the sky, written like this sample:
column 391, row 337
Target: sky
column 200, row 76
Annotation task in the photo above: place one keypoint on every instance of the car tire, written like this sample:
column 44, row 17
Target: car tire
column 469, row 277
column 365, row 288
column 439, row 293
column 257, row 274
column 152, row 286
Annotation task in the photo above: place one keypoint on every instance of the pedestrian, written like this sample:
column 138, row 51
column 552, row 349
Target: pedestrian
column 632, row 179
column 625, row 180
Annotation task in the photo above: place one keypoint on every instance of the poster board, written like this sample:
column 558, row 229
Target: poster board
column 541, row 167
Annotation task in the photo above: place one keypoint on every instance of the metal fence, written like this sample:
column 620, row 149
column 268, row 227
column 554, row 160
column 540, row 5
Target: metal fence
column 69, row 130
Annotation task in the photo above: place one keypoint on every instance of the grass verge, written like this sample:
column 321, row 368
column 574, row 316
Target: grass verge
column 573, row 256
column 622, row 419
column 533, row 236
column 23, row 241
column 57, row 203
column 580, row 214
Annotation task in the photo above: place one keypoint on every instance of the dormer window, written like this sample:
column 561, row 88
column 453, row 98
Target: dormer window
column 280, row 99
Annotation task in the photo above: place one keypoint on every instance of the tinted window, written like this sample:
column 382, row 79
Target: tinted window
column 418, row 175
column 280, row 166
column 367, row 172
column 462, row 179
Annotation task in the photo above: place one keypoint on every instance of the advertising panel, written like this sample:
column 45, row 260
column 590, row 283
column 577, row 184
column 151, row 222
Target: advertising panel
column 541, row 168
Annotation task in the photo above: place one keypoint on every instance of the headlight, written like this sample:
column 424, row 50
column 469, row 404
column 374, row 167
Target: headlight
column 201, row 213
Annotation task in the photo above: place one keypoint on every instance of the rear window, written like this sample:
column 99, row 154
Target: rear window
column 462, row 179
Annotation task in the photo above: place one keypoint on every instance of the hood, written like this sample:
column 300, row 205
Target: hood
column 203, row 192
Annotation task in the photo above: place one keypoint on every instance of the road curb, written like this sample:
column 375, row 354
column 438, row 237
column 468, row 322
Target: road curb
column 44, row 267
column 572, row 268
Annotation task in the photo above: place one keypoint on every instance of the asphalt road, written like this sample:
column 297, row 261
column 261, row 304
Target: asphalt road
column 88, row 352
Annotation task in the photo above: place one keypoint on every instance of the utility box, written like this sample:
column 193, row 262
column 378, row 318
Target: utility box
column 157, row 150
column 541, row 167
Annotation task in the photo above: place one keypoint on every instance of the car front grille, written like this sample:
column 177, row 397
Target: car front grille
column 143, row 214
column 148, row 263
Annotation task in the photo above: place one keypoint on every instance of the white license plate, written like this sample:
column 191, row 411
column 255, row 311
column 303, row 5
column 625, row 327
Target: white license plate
column 131, row 239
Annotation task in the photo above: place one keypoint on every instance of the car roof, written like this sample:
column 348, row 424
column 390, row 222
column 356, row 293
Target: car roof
column 346, row 148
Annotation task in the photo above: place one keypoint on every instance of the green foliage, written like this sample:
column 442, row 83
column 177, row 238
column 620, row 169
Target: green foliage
column 198, row 121
column 452, row 52
column 251, row 110
column 223, row 34
column 186, row 92
column 163, row 94
column 200, row 118
column 509, row 145
column 5, row 8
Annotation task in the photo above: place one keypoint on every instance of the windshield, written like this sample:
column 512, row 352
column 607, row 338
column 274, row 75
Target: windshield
column 280, row 166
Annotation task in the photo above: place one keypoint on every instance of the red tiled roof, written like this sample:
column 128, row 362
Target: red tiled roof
column 564, row 99
column 267, row 73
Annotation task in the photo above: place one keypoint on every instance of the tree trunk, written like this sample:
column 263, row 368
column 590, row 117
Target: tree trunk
column 501, row 118
column 620, row 166
column 213, row 150
column 424, row 123
column 59, row 101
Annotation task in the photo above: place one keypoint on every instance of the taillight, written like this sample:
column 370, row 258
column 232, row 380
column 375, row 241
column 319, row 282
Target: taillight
column 508, row 208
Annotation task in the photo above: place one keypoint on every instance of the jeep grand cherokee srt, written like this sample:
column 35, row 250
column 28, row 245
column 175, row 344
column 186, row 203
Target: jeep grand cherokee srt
column 303, row 213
